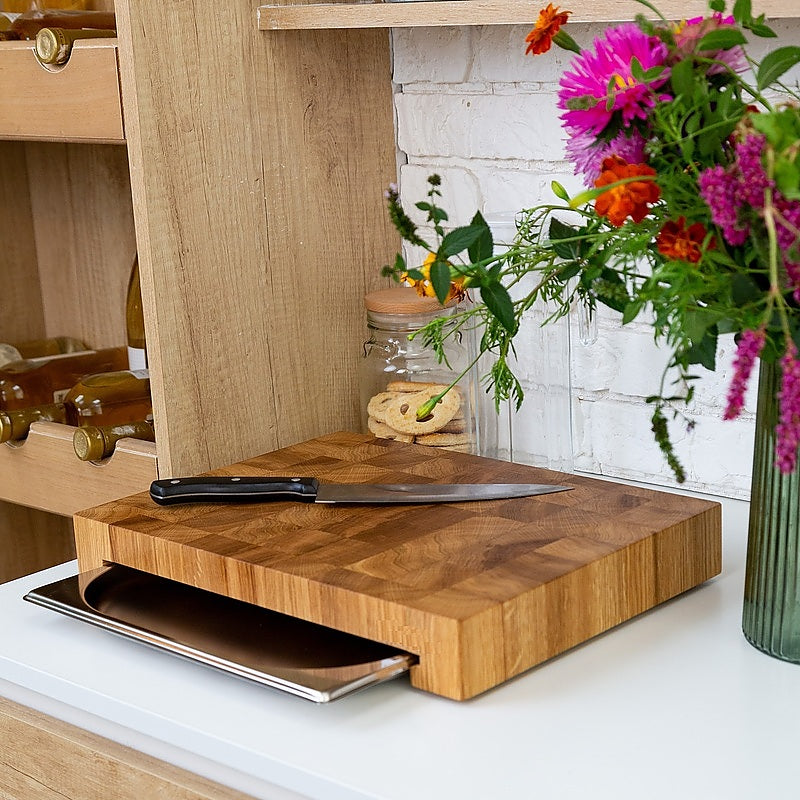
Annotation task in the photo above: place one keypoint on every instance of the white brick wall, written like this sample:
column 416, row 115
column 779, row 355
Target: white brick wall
column 473, row 108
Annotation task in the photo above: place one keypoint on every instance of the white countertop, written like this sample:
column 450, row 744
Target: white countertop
column 673, row 704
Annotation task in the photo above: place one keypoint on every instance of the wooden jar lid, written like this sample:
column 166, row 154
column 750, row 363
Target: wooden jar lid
column 400, row 300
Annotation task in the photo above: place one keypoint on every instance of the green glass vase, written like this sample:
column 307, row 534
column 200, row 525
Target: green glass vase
column 771, row 617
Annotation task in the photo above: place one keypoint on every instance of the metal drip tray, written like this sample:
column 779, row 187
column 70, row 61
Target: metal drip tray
column 279, row 651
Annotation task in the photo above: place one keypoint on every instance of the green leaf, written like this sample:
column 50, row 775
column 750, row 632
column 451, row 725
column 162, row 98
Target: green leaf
column 497, row 299
column 705, row 352
column 568, row 270
column 631, row 311
column 787, row 176
column 697, row 324
column 717, row 5
column 423, row 206
column 742, row 11
column 483, row 247
column 744, row 289
column 559, row 191
column 682, row 78
column 558, row 231
column 440, row 279
column 459, row 239
column 764, row 31
column 722, row 39
column 775, row 64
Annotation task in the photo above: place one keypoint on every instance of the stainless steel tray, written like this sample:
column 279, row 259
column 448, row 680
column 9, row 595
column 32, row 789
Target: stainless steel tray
column 302, row 658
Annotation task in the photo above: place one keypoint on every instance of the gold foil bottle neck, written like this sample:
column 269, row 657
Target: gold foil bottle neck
column 89, row 444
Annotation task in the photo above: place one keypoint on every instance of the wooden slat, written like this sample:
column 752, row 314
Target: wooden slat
column 21, row 311
column 43, row 472
column 479, row 591
column 256, row 181
column 477, row 12
column 32, row 540
column 85, row 238
column 42, row 758
column 79, row 103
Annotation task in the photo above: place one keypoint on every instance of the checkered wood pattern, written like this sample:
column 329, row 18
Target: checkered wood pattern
column 480, row 591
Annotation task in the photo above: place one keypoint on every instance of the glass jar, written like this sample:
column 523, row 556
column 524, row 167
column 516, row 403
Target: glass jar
column 399, row 373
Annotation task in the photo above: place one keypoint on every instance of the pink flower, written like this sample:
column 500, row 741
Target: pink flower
column 719, row 189
column 587, row 152
column 689, row 34
column 787, row 431
column 584, row 93
column 749, row 348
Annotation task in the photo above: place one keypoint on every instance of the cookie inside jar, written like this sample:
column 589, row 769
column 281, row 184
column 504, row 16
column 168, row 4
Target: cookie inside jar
column 408, row 393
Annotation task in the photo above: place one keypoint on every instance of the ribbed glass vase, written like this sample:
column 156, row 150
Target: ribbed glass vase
column 771, row 618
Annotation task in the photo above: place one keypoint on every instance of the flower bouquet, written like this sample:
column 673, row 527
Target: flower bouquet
column 690, row 220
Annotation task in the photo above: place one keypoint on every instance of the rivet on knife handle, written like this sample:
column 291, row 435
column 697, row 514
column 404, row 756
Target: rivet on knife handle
column 232, row 490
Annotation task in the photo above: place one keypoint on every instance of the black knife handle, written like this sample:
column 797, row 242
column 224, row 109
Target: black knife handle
column 233, row 490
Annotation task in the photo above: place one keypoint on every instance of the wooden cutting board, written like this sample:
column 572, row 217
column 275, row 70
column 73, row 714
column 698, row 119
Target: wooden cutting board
column 480, row 591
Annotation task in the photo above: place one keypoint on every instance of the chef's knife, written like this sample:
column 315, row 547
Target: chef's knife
column 310, row 490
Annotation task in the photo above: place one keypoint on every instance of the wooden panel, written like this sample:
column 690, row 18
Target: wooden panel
column 32, row 540
column 21, row 311
column 44, row 472
column 476, row 12
column 479, row 591
column 79, row 102
column 42, row 758
column 85, row 238
column 257, row 173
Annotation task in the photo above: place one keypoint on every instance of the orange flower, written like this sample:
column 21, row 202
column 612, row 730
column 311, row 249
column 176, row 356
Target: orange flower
column 679, row 243
column 424, row 287
column 627, row 199
column 547, row 26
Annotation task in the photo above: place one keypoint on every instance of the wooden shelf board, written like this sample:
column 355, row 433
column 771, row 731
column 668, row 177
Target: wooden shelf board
column 43, row 471
column 434, row 13
column 37, row 103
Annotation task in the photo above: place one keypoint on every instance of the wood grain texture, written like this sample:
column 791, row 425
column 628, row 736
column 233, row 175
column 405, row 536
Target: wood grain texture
column 296, row 16
column 21, row 312
column 479, row 591
column 42, row 758
column 85, row 239
column 32, row 540
column 43, row 471
column 257, row 174
column 79, row 102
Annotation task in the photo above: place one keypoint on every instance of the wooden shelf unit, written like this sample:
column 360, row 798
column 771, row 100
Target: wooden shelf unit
column 434, row 13
column 246, row 181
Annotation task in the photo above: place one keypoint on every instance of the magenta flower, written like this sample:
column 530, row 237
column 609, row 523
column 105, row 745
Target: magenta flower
column 748, row 350
column 587, row 152
column 787, row 431
column 719, row 188
column 787, row 227
column 584, row 93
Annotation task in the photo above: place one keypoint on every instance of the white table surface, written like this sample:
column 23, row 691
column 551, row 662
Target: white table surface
column 673, row 704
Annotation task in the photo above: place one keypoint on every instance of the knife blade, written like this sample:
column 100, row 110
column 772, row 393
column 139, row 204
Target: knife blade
column 309, row 490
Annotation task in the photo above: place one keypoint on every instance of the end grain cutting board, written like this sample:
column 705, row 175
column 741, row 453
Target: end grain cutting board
column 479, row 591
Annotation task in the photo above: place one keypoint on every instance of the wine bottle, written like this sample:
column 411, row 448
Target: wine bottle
column 54, row 45
column 54, row 346
column 8, row 353
column 39, row 347
column 95, row 442
column 107, row 398
column 34, row 381
column 134, row 321
column 27, row 25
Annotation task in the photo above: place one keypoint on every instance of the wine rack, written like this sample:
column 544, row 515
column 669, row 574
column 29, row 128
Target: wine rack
column 42, row 471
column 79, row 102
